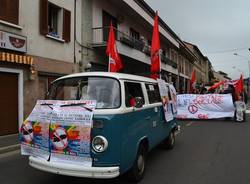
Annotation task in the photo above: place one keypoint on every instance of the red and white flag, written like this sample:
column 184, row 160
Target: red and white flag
column 239, row 85
column 192, row 82
column 155, row 50
column 115, row 63
column 216, row 85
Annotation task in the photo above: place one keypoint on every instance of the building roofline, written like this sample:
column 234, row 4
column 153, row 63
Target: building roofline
column 151, row 12
column 223, row 73
column 197, row 48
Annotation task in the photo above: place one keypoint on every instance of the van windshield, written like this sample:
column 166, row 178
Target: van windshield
column 106, row 91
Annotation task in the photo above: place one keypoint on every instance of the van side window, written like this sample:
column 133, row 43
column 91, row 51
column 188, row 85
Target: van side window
column 153, row 93
column 132, row 90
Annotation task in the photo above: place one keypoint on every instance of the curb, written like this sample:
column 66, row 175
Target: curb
column 9, row 148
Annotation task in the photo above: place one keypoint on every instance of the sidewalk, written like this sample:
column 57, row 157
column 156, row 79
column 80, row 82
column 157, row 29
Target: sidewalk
column 9, row 143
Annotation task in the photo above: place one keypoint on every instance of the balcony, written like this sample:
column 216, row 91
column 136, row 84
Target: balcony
column 100, row 37
column 128, row 46
column 168, row 61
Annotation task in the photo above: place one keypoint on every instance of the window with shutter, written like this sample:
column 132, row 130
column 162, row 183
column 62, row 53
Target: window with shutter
column 3, row 9
column 44, row 17
column 55, row 21
column 9, row 11
column 66, row 25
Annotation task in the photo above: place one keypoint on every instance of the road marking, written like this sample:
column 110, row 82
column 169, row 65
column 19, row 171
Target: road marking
column 247, row 111
column 189, row 124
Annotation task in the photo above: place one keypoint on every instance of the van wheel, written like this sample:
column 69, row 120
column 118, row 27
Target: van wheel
column 169, row 142
column 137, row 171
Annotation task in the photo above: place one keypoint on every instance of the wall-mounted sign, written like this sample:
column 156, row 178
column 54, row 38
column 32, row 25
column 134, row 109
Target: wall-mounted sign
column 13, row 42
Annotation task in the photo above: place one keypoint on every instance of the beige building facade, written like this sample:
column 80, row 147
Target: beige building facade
column 37, row 45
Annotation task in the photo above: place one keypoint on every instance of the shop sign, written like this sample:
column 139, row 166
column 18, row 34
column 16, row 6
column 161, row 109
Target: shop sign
column 13, row 42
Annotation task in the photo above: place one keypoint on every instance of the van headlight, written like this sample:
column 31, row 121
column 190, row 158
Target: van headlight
column 99, row 144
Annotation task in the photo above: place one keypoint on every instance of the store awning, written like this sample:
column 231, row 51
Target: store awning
column 16, row 58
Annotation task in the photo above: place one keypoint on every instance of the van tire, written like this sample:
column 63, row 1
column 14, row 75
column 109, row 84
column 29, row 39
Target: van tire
column 169, row 142
column 137, row 171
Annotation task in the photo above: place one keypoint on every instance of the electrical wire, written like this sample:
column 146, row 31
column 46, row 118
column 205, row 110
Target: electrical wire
column 226, row 51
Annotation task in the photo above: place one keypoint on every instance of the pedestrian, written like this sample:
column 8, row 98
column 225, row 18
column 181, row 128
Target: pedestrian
column 245, row 96
column 240, row 112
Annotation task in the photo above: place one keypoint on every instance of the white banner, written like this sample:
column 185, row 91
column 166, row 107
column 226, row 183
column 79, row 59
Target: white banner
column 59, row 128
column 165, row 100
column 208, row 106
column 173, row 99
column 70, row 129
column 34, row 132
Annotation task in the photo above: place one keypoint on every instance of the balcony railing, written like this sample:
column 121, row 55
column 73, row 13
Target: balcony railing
column 100, row 37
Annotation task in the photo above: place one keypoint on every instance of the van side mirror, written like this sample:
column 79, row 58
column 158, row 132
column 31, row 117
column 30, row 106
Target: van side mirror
column 138, row 102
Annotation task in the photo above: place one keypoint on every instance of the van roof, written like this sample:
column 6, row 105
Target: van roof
column 110, row 74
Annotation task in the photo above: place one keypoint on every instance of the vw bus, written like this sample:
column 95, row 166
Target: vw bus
column 128, row 122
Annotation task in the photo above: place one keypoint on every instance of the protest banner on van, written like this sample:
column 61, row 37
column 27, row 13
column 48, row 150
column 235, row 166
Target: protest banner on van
column 34, row 132
column 208, row 106
column 173, row 99
column 70, row 131
column 59, row 128
column 165, row 100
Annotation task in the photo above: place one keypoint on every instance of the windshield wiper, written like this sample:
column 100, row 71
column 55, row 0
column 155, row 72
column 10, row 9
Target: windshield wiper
column 77, row 104
column 48, row 104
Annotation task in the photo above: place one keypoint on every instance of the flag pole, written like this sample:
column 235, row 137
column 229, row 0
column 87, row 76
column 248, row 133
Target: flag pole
column 160, row 51
column 109, row 64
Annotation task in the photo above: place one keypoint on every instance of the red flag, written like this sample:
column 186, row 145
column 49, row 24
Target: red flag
column 239, row 85
column 216, row 85
column 115, row 63
column 155, row 50
column 192, row 82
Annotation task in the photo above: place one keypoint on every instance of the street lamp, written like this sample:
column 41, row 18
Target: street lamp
column 248, row 89
column 248, row 60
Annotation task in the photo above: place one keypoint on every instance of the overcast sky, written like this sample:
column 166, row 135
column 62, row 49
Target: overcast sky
column 219, row 28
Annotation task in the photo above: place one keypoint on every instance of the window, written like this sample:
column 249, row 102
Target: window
column 106, row 20
column 106, row 91
column 153, row 93
column 55, row 21
column 132, row 90
column 149, row 42
column 164, row 52
column 9, row 11
column 134, row 34
column 167, row 54
column 53, row 18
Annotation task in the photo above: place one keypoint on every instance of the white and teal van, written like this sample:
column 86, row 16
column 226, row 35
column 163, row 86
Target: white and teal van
column 128, row 122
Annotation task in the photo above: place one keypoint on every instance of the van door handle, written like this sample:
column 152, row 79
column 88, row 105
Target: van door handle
column 148, row 117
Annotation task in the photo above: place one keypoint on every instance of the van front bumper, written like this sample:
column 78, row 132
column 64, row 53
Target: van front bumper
column 74, row 170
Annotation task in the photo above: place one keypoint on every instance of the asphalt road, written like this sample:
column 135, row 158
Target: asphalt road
column 206, row 152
